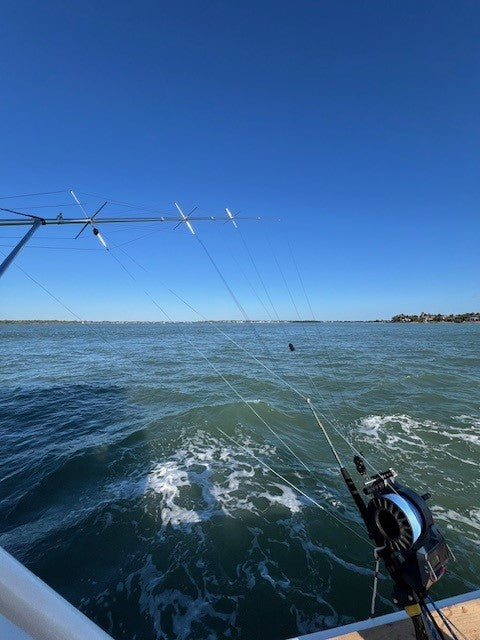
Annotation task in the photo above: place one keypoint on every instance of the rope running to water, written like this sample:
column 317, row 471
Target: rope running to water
column 232, row 340
column 237, row 302
column 270, row 300
column 331, row 421
column 167, row 316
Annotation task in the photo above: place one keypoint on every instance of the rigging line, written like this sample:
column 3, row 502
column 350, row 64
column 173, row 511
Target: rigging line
column 67, row 308
column 138, row 264
column 192, row 344
column 214, row 367
column 332, row 419
column 250, row 255
column 233, row 341
column 333, row 422
column 430, row 624
column 54, row 297
column 447, row 622
column 28, row 195
column 125, row 204
column 254, row 291
column 286, row 283
column 49, row 206
column 296, row 309
column 269, row 298
column 20, row 213
column 35, row 246
column 327, row 353
column 306, row 374
column 168, row 318
column 239, row 395
column 226, row 335
column 259, row 275
column 62, row 304
column 237, row 302
column 222, row 277
column 300, row 491
column 145, row 235
column 272, row 372
column 252, row 260
column 233, row 296
column 307, row 298
column 438, row 632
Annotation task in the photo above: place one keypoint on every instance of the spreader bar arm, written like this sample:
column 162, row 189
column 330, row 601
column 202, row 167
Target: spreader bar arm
column 18, row 222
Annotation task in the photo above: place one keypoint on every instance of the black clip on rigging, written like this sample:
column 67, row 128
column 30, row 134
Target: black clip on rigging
column 401, row 524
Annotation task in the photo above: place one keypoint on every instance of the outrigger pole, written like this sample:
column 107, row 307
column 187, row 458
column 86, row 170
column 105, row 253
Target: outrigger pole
column 16, row 222
column 34, row 222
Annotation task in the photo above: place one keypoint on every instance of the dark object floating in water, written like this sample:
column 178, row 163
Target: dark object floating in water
column 291, row 347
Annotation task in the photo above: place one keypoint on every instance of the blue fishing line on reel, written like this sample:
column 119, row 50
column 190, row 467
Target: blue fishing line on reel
column 410, row 511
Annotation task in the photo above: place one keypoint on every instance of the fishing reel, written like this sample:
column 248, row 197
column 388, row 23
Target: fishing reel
column 400, row 522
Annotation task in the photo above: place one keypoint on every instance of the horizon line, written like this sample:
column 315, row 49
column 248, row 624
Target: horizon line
column 230, row 321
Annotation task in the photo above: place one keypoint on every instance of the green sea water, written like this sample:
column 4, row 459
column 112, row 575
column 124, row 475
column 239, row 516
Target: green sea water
column 118, row 489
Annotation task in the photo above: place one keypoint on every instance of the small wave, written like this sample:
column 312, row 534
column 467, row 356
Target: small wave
column 390, row 430
column 393, row 430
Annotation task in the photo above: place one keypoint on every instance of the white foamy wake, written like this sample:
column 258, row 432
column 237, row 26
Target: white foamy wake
column 181, row 613
column 393, row 430
column 440, row 456
column 401, row 431
column 206, row 478
column 167, row 479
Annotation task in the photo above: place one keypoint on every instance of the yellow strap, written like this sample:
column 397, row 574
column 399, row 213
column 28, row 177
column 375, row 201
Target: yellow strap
column 413, row 610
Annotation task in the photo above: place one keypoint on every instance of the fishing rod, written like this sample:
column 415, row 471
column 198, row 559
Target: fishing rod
column 401, row 524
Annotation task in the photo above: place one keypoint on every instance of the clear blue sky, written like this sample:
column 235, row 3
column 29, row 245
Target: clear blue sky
column 355, row 123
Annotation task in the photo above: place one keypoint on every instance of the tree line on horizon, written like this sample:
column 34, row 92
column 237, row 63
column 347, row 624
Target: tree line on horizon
column 438, row 317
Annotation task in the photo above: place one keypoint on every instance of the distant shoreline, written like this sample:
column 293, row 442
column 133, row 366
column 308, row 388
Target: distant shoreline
column 471, row 316
column 396, row 319
column 181, row 321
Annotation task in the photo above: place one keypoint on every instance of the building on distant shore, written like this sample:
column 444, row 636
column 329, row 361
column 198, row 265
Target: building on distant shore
column 437, row 317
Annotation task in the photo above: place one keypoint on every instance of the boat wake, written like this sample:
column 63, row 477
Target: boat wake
column 214, row 534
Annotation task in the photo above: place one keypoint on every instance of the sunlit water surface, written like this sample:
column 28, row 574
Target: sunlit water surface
column 119, row 491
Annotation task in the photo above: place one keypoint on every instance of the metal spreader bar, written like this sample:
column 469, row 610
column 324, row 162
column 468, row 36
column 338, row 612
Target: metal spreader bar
column 231, row 217
column 21, row 222
column 185, row 219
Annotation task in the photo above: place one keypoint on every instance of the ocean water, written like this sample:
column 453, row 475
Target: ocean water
column 118, row 489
